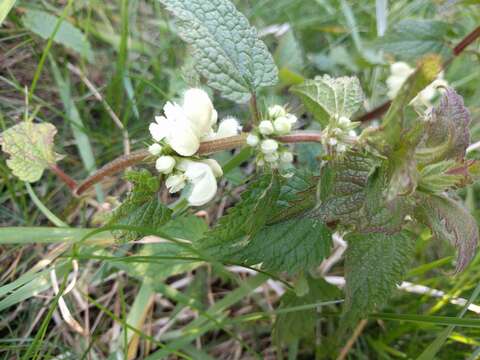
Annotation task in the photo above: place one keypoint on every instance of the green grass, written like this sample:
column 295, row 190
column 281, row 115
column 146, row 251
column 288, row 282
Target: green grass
column 206, row 311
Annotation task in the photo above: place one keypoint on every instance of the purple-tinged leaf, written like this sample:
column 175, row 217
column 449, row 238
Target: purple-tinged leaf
column 450, row 221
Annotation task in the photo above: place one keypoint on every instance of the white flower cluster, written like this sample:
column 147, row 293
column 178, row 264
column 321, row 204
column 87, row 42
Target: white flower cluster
column 399, row 73
column 270, row 151
column 177, row 137
column 339, row 134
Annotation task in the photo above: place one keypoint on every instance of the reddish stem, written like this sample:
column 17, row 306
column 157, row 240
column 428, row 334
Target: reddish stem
column 72, row 184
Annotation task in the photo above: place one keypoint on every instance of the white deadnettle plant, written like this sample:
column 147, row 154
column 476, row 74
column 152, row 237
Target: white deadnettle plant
column 178, row 135
column 270, row 151
column 399, row 73
column 340, row 134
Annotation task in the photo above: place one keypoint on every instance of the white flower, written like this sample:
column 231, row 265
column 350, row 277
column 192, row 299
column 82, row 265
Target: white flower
column 165, row 164
column 176, row 129
column 341, row 147
column 228, row 127
column 202, row 179
column 400, row 71
column 332, row 141
column 265, row 127
column 352, row 134
column 291, row 118
column 269, row 146
column 276, row 111
column 344, row 121
column 215, row 166
column 155, row 149
column 252, row 140
column 282, row 125
column 175, row 183
column 426, row 95
column 199, row 110
column 286, row 157
column 271, row 157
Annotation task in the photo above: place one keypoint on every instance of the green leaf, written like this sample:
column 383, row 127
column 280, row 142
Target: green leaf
column 436, row 178
column 295, row 325
column 142, row 206
column 226, row 48
column 450, row 221
column 410, row 39
column 447, row 133
column 5, row 8
column 245, row 218
column 30, row 147
column 327, row 97
column 43, row 24
column 191, row 228
column 293, row 245
column 374, row 264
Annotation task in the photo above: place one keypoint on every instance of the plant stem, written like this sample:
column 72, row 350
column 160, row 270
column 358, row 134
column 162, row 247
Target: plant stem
column 457, row 50
column 206, row 147
column 72, row 184
column 254, row 106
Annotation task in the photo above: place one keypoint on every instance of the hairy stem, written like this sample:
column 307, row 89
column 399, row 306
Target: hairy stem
column 206, row 147
column 72, row 184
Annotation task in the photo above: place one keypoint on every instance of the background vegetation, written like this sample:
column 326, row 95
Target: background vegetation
column 110, row 69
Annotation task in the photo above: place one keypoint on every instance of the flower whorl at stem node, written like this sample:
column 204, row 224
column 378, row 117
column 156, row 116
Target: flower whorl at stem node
column 177, row 137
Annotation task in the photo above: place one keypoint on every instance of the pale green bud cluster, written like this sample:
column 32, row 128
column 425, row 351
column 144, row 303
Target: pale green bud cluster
column 269, row 151
column 339, row 135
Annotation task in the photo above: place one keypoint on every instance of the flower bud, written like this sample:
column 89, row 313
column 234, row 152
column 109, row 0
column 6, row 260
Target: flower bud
column 175, row 183
column 332, row 141
column 269, row 146
column 291, row 118
column 286, row 157
column 344, row 121
column 276, row 111
column 155, row 149
column 252, row 140
column 282, row 125
column 266, row 127
column 401, row 69
column 228, row 127
column 352, row 134
column 341, row 148
column 273, row 157
column 165, row 164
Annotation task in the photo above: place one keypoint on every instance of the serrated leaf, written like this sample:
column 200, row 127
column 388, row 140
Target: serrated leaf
column 450, row 221
column 43, row 24
column 245, row 218
column 295, row 325
column 30, row 147
column 374, row 264
column 411, row 38
column 226, row 48
column 142, row 207
column 292, row 245
column 326, row 97
column 436, row 178
column 447, row 133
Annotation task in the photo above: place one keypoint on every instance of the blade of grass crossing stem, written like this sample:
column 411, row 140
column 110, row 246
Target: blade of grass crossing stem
column 434, row 347
column 204, row 323
column 78, row 129
column 46, row 51
column 51, row 235
column 5, row 7
column 43, row 209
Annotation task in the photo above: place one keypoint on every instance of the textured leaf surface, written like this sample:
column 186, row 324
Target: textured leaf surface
column 245, row 218
column 450, row 221
column 30, row 147
column 374, row 264
column 447, row 133
column 43, row 24
column 326, row 96
column 301, row 324
column 411, row 38
column 226, row 48
column 293, row 245
column 142, row 206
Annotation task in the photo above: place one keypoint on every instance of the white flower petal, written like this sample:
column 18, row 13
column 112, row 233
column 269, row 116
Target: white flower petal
column 269, row 146
column 228, row 127
column 286, row 157
column 183, row 140
column 204, row 184
column 198, row 108
column 252, row 140
column 215, row 166
column 282, row 125
column 158, row 132
column 276, row 111
column 401, row 69
column 155, row 149
column 266, row 127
